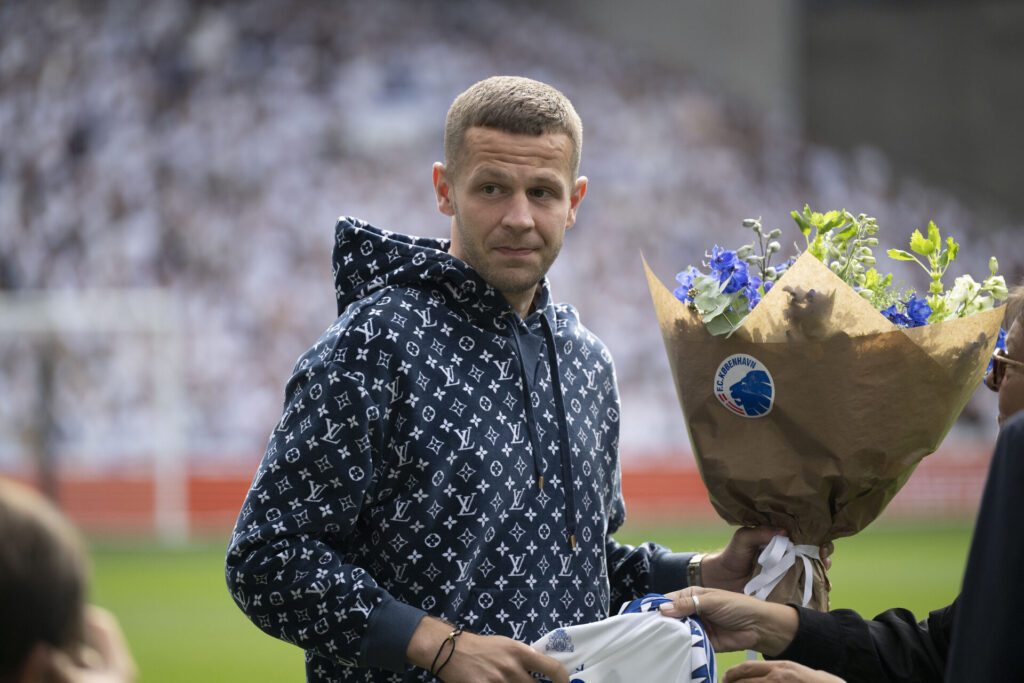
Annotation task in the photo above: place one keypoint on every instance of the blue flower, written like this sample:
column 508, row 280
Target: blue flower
column 735, row 278
column 685, row 279
column 918, row 311
column 895, row 317
column 768, row 286
column 722, row 260
column 750, row 291
column 783, row 267
column 1000, row 344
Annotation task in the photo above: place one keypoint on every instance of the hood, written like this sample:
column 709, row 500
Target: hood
column 397, row 259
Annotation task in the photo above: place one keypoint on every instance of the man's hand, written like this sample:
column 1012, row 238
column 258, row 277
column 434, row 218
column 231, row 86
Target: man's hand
column 104, row 657
column 480, row 659
column 493, row 659
column 777, row 672
column 732, row 567
column 735, row 621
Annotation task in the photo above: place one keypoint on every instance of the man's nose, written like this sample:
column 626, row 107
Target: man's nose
column 518, row 214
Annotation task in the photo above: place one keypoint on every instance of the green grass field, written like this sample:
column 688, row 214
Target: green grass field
column 183, row 626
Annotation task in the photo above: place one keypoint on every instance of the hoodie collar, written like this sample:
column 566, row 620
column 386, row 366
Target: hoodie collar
column 366, row 259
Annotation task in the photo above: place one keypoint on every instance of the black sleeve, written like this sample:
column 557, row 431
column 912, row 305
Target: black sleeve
column 891, row 647
column 989, row 631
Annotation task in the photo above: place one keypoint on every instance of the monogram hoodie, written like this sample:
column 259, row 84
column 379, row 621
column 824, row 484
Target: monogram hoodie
column 438, row 455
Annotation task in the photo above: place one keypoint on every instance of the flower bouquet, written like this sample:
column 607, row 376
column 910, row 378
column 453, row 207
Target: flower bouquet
column 812, row 389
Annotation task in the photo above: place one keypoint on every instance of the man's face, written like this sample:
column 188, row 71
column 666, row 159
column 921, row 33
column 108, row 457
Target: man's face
column 1010, row 379
column 511, row 201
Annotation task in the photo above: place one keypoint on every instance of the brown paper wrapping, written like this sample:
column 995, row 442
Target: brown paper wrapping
column 858, row 403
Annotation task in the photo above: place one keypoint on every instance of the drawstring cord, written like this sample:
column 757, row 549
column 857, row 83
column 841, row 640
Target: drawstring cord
column 563, row 428
column 563, row 435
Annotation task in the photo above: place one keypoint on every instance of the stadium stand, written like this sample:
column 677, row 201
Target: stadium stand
column 207, row 148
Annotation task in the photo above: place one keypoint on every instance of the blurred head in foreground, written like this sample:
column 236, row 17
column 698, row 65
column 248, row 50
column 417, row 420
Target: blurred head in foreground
column 43, row 580
column 1007, row 374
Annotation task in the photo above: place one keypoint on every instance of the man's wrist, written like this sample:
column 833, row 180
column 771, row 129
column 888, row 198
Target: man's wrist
column 710, row 572
column 429, row 635
column 777, row 628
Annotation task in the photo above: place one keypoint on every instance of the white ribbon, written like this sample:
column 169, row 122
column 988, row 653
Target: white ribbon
column 775, row 560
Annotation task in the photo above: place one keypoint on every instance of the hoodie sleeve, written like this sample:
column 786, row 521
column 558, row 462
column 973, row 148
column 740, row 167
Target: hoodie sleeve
column 289, row 561
column 648, row 568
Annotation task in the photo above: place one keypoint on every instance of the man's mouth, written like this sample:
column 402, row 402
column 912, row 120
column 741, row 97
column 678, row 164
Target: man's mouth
column 514, row 251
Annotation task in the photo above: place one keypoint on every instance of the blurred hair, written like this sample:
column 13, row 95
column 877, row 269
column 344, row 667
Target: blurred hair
column 43, row 577
column 1014, row 306
column 512, row 104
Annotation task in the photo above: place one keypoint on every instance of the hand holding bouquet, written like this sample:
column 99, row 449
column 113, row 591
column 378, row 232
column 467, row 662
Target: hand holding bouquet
column 811, row 389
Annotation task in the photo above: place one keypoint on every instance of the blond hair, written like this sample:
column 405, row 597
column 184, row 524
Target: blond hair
column 512, row 104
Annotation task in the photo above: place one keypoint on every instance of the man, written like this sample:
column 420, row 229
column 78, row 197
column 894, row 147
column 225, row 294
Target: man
column 448, row 455
column 47, row 632
column 972, row 639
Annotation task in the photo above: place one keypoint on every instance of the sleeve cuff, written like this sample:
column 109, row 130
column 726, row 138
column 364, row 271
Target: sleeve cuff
column 818, row 642
column 668, row 571
column 388, row 633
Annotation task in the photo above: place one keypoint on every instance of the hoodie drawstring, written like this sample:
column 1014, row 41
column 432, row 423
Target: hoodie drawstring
column 563, row 425
column 563, row 435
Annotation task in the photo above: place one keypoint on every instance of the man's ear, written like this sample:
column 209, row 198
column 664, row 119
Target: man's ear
column 579, row 191
column 442, row 190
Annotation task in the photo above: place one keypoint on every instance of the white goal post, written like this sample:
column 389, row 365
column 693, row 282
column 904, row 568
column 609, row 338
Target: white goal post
column 155, row 313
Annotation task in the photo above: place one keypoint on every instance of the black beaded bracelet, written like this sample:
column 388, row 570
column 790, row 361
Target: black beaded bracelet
column 450, row 639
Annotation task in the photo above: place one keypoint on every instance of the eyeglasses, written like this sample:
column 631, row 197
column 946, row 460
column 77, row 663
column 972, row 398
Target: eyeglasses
column 999, row 362
column 999, row 356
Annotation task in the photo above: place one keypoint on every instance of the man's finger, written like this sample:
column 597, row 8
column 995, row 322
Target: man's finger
column 746, row 671
column 548, row 666
column 61, row 668
column 104, row 635
column 682, row 606
column 758, row 536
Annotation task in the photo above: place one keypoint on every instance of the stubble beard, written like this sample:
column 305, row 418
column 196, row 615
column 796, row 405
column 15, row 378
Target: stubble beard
column 506, row 281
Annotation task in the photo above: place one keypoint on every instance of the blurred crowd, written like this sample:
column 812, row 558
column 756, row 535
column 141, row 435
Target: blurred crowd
column 208, row 147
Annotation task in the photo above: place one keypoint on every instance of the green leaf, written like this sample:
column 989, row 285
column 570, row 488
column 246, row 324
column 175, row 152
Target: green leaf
column 816, row 247
column 952, row 248
column 920, row 245
column 805, row 228
column 939, row 309
column 847, row 232
column 719, row 325
column 933, row 235
column 709, row 299
column 832, row 219
column 901, row 255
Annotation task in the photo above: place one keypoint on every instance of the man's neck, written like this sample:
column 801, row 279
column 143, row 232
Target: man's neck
column 526, row 305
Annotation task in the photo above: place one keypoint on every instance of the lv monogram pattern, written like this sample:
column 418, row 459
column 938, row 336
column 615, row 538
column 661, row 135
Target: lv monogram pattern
column 402, row 467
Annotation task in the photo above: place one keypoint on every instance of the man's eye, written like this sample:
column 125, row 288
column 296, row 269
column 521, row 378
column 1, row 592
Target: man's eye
column 489, row 189
column 540, row 193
